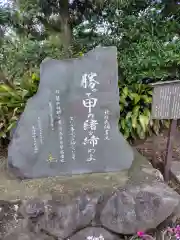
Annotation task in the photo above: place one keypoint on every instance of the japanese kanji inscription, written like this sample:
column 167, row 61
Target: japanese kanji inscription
column 89, row 82
column 72, row 122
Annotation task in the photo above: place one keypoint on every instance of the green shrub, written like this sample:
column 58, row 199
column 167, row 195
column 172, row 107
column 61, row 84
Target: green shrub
column 13, row 100
column 135, row 112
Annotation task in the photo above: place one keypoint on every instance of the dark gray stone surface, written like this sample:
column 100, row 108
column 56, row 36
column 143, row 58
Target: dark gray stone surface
column 63, row 220
column 13, row 130
column 142, row 207
column 71, row 125
column 26, row 235
column 32, row 208
column 124, row 211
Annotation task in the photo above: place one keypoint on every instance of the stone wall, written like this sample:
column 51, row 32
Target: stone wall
column 90, row 216
column 90, row 206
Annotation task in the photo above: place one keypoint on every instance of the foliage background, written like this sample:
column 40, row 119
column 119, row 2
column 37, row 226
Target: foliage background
column 145, row 32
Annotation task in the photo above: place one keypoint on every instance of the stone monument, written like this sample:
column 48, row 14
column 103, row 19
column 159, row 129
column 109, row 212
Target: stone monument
column 71, row 125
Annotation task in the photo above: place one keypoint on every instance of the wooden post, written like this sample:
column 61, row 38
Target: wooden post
column 165, row 105
column 169, row 149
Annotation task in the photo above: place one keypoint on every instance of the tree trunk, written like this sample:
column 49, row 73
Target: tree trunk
column 65, row 26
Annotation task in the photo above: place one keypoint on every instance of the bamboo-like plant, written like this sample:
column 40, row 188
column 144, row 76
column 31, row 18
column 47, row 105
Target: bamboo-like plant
column 13, row 100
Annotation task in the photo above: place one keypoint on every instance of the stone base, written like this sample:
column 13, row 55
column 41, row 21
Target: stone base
column 90, row 206
column 12, row 188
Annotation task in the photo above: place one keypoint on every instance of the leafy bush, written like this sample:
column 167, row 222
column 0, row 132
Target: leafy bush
column 13, row 100
column 135, row 110
column 24, row 56
column 151, row 58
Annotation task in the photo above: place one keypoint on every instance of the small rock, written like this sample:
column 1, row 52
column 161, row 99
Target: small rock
column 63, row 221
column 27, row 236
column 139, row 208
column 9, row 217
column 92, row 233
column 32, row 208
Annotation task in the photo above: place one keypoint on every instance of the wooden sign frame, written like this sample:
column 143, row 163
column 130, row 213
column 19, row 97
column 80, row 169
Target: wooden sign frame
column 166, row 105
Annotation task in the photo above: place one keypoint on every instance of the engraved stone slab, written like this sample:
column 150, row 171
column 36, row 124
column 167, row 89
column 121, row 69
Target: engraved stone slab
column 71, row 125
column 166, row 100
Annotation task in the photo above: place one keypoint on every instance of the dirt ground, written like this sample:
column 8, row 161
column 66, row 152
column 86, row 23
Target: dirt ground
column 154, row 148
